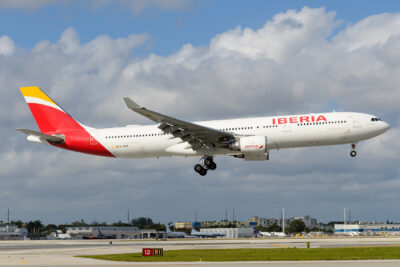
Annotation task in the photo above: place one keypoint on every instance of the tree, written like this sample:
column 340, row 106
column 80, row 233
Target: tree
column 274, row 228
column 34, row 228
column 96, row 223
column 18, row 223
column 50, row 228
column 160, row 227
column 296, row 226
column 121, row 224
column 63, row 227
column 79, row 223
column 143, row 223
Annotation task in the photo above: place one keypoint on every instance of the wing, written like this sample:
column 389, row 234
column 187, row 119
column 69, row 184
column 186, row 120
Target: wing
column 196, row 135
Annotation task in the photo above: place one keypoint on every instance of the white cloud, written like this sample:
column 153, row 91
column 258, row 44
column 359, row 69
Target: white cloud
column 285, row 36
column 289, row 65
column 7, row 47
column 371, row 31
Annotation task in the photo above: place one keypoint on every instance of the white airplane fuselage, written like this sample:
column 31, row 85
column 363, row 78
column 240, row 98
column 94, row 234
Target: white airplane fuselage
column 291, row 131
column 248, row 138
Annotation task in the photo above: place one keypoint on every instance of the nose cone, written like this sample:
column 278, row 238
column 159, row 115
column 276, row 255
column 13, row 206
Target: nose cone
column 385, row 126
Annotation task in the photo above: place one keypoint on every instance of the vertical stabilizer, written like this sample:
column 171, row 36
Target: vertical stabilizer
column 49, row 116
column 58, row 127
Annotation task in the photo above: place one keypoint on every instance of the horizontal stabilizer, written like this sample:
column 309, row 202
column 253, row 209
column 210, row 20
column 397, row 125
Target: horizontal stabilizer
column 41, row 136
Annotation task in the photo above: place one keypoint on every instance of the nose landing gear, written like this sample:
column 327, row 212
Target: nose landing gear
column 206, row 163
column 353, row 153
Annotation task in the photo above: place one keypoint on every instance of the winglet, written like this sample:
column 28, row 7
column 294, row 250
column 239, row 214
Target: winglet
column 131, row 104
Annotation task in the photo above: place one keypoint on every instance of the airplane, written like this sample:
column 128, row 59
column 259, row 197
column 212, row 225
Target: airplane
column 268, row 234
column 261, row 234
column 59, row 235
column 279, row 234
column 206, row 234
column 176, row 234
column 250, row 139
column 100, row 235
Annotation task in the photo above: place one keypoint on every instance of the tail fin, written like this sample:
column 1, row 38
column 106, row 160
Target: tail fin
column 58, row 127
column 255, row 231
column 49, row 116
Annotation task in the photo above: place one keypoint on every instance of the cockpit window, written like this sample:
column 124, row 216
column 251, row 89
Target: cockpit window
column 375, row 119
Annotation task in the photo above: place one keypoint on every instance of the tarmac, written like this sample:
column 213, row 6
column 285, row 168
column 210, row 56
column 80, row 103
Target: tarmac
column 63, row 252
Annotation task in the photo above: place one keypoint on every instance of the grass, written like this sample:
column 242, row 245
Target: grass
column 275, row 254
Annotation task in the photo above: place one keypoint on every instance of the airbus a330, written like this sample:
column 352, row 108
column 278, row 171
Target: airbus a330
column 249, row 139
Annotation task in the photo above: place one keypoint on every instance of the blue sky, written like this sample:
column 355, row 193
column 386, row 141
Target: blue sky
column 195, row 23
column 161, row 53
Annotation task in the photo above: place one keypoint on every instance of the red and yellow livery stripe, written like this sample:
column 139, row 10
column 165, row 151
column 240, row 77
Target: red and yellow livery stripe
column 51, row 119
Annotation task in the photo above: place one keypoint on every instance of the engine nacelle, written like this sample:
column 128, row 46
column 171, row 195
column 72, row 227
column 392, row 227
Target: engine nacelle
column 253, row 147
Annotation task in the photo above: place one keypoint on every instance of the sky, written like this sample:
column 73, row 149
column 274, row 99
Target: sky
column 199, row 60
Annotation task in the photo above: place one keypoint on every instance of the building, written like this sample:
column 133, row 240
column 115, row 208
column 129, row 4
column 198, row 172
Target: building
column 111, row 231
column 183, row 225
column 231, row 232
column 12, row 232
column 367, row 229
column 308, row 221
column 266, row 222
column 224, row 224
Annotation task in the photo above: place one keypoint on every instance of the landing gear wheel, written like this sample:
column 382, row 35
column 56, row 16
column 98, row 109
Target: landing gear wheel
column 213, row 166
column 198, row 168
column 208, row 161
column 203, row 172
column 353, row 153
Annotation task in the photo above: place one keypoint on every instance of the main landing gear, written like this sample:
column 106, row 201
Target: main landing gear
column 206, row 163
column 353, row 153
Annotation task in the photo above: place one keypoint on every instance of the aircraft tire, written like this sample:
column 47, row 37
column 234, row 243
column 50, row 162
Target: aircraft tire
column 213, row 166
column 198, row 168
column 203, row 172
column 208, row 161
column 353, row 153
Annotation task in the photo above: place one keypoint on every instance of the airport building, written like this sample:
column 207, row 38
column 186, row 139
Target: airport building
column 183, row 225
column 107, row 231
column 12, row 232
column 367, row 229
column 308, row 221
column 224, row 224
column 266, row 222
column 231, row 232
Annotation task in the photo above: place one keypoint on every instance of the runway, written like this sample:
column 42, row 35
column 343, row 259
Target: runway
column 62, row 252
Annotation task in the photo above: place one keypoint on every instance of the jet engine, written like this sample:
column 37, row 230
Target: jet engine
column 253, row 147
